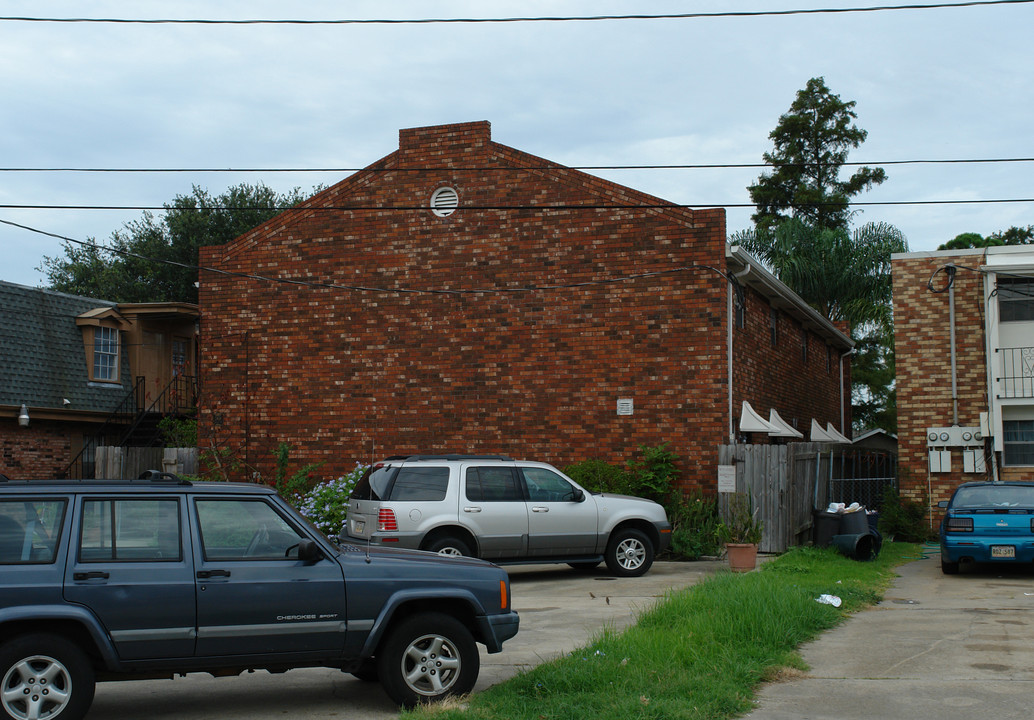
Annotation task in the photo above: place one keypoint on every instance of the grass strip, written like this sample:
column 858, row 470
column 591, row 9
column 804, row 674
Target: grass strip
column 700, row 652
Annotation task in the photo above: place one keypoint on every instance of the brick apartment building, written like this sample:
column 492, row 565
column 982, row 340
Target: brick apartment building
column 463, row 296
column 964, row 329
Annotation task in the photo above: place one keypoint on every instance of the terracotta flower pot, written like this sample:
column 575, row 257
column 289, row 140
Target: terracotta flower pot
column 743, row 557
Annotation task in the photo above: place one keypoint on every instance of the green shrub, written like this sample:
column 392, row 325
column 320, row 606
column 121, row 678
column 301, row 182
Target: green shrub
column 652, row 475
column 903, row 520
column 597, row 476
column 326, row 505
column 695, row 525
column 295, row 484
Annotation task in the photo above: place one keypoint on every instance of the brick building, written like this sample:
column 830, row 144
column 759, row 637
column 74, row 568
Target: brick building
column 463, row 296
column 964, row 339
column 77, row 371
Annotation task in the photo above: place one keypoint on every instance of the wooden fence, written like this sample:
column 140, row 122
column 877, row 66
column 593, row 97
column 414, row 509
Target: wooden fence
column 113, row 463
column 787, row 483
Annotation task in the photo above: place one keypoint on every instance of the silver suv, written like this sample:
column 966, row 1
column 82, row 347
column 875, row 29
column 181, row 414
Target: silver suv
column 503, row 510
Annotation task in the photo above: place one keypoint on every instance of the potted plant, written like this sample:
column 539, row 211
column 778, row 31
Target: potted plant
column 740, row 532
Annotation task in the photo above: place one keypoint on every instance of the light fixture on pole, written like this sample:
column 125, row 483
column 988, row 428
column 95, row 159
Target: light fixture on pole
column 23, row 416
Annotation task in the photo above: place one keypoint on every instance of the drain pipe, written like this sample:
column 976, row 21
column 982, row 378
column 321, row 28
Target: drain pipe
column 842, row 413
column 734, row 288
column 954, row 368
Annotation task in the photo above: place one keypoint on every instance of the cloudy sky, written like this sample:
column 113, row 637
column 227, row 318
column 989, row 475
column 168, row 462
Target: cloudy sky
column 930, row 84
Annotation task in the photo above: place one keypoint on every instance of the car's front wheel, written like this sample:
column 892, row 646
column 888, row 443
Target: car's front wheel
column 45, row 676
column 428, row 657
column 629, row 553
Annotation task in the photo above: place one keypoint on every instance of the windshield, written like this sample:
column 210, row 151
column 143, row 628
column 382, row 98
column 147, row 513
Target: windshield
column 990, row 497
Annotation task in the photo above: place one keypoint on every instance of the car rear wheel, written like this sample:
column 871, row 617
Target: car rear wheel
column 629, row 553
column 45, row 677
column 450, row 546
column 949, row 568
column 428, row 657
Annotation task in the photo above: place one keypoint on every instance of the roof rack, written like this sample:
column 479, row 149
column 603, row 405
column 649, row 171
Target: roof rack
column 449, row 457
column 157, row 476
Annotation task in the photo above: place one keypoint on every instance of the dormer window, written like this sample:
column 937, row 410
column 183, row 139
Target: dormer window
column 102, row 344
column 105, row 354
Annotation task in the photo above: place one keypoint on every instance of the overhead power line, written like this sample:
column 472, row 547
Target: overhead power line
column 511, row 208
column 516, row 168
column 372, row 289
column 538, row 19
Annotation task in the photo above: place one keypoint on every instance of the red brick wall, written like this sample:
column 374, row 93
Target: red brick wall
column 38, row 452
column 923, row 350
column 799, row 386
column 354, row 375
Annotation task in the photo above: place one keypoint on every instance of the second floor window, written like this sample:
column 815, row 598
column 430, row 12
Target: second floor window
column 105, row 354
column 1016, row 299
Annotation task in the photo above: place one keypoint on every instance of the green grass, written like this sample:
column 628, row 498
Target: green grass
column 700, row 652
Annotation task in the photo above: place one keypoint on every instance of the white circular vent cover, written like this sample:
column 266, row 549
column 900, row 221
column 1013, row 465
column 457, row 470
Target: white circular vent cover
column 444, row 201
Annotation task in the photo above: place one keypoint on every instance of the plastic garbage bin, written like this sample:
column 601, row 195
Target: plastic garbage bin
column 826, row 525
column 854, row 523
column 857, row 546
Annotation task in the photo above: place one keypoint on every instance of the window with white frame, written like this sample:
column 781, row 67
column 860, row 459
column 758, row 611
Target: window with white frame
column 1018, row 442
column 1016, row 299
column 105, row 354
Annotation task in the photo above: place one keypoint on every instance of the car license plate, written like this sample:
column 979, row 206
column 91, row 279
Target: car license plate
column 1003, row 551
column 358, row 526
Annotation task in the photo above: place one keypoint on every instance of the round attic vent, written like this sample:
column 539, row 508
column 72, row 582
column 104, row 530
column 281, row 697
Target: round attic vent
column 444, row 201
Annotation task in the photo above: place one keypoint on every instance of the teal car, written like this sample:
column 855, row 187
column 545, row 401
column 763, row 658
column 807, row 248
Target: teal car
column 988, row 522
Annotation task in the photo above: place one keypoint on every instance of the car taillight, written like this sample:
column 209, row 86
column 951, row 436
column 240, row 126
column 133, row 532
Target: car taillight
column 960, row 525
column 387, row 523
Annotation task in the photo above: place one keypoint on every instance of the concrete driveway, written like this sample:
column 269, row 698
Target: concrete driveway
column 560, row 609
column 939, row 647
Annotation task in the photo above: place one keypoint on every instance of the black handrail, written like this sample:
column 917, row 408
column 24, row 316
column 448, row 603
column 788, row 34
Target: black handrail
column 123, row 414
column 178, row 398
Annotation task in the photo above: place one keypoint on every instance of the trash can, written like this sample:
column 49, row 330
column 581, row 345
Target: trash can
column 826, row 525
column 854, row 523
column 857, row 546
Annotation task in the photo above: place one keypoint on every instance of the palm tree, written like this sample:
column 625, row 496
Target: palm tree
column 845, row 276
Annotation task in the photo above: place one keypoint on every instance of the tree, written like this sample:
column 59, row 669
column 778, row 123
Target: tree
column 811, row 145
column 1013, row 236
column 845, row 276
column 136, row 267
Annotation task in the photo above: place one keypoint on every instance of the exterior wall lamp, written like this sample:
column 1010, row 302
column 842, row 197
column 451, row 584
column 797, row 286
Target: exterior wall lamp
column 23, row 416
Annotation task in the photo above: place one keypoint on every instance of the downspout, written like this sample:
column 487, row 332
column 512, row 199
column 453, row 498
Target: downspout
column 734, row 287
column 954, row 367
column 842, row 413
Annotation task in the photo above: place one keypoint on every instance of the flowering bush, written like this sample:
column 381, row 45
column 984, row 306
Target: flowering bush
column 326, row 504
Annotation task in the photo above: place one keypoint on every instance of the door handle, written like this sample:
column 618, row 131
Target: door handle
column 539, row 508
column 93, row 575
column 472, row 509
column 205, row 574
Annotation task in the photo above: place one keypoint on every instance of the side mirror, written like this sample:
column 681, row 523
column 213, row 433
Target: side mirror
column 578, row 496
column 942, row 504
column 309, row 551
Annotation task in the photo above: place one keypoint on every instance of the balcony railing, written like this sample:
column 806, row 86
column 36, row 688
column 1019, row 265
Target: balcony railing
column 1016, row 379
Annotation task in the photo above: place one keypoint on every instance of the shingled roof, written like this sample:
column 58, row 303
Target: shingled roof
column 44, row 360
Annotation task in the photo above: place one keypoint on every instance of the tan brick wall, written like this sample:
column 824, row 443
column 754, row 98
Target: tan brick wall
column 923, row 350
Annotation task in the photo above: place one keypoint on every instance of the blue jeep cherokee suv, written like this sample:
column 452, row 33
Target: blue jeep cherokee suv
column 103, row 580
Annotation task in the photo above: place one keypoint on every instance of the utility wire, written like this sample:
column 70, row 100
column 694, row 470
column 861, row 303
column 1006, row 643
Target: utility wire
column 360, row 288
column 499, row 20
column 508, row 208
column 516, row 168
